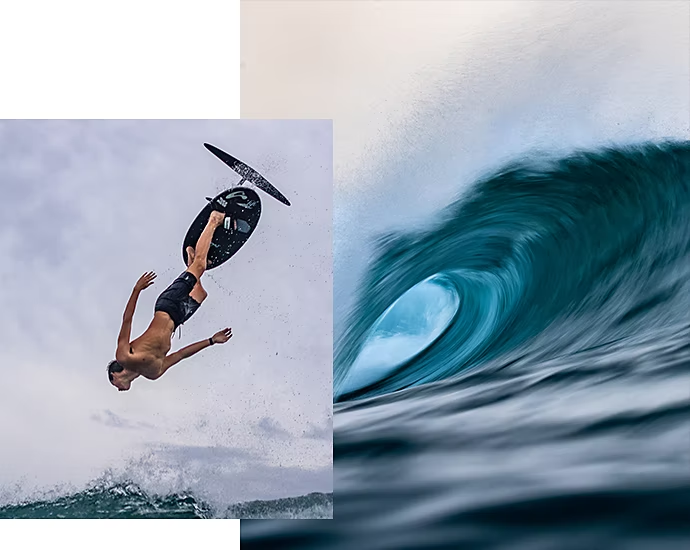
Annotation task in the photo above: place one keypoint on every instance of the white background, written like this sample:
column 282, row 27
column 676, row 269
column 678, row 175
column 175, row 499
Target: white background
column 134, row 59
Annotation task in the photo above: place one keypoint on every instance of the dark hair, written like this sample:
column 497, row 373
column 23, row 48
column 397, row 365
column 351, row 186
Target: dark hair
column 114, row 366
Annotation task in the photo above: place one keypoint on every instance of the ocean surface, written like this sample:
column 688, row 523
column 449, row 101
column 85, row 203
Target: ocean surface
column 128, row 501
column 518, row 375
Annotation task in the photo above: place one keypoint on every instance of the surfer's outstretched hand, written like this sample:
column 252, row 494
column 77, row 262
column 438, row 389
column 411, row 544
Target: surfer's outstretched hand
column 145, row 281
column 222, row 336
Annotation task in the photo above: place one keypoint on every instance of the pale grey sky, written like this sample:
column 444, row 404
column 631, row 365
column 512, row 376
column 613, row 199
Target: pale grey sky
column 425, row 95
column 87, row 207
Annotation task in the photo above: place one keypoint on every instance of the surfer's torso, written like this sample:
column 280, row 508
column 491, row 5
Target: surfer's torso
column 148, row 352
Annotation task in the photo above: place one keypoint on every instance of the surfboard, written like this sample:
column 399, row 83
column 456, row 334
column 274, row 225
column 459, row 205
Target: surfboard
column 243, row 206
column 247, row 173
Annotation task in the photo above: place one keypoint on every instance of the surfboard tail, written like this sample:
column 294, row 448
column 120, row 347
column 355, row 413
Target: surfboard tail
column 247, row 173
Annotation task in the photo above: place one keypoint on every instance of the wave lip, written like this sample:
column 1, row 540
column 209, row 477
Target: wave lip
column 124, row 501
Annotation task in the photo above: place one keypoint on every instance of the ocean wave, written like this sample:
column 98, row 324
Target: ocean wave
column 553, row 409
column 128, row 501
column 592, row 239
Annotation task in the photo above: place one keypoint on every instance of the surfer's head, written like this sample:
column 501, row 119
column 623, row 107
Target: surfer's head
column 115, row 371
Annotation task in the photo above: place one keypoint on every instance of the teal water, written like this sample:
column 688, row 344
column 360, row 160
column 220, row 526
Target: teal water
column 127, row 501
column 542, row 246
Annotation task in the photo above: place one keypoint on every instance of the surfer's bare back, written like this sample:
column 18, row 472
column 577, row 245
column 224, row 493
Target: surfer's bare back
column 147, row 355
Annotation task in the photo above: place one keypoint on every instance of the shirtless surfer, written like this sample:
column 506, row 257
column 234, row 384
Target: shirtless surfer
column 147, row 355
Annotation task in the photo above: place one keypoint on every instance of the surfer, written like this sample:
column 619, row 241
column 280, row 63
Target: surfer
column 147, row 355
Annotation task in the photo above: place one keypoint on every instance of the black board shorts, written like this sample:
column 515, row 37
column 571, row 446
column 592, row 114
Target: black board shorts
column 176, row 301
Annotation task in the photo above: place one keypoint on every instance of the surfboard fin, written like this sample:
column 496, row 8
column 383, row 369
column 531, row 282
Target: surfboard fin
column 247, row 173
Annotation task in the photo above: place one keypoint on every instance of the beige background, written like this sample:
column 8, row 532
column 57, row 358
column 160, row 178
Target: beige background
column 426, row 95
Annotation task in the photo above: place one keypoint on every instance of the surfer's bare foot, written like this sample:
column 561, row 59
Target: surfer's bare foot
column 216, row 218
column 190, row 255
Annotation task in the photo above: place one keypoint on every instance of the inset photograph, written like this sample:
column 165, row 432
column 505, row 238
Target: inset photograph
column 167, row 336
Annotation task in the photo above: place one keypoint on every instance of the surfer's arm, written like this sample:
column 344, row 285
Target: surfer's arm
column 126, row 329
column 145, row 281
column 131, row 306
column 185, row 352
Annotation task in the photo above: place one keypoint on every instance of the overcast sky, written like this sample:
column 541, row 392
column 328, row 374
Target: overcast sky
column 89, row 206
column 430, row 94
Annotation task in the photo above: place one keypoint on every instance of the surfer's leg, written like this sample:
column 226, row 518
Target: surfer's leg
column 190, row 255
column 198, row 292
column 198, row 265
